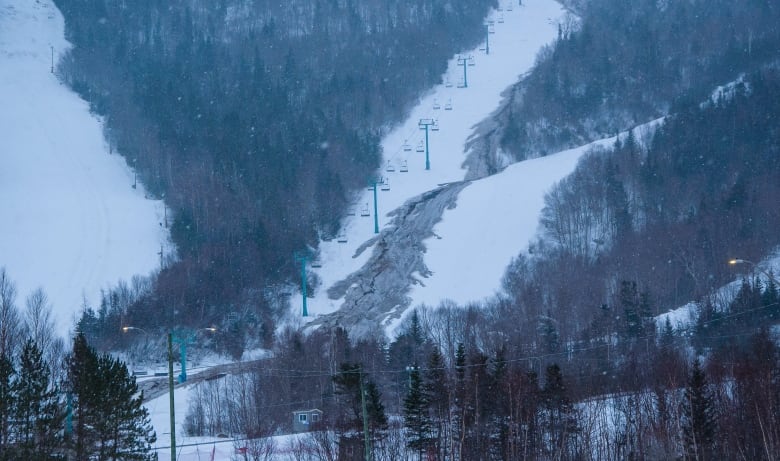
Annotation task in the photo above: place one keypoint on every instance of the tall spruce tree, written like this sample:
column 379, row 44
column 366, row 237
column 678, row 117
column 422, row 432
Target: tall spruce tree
column 110, row 420
column 559, row 417
column 699, row 417
column 38, row 414
column 7, row 404
column 416, row 415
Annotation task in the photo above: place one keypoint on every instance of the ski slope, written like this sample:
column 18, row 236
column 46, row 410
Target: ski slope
column 520, row 32
column 71, row 222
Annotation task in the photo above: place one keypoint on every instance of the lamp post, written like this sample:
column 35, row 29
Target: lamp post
column 771, row 277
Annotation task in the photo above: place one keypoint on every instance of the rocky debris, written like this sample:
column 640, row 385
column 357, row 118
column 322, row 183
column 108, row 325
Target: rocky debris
column 378, row 292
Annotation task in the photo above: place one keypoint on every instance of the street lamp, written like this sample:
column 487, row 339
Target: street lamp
column 771, row 277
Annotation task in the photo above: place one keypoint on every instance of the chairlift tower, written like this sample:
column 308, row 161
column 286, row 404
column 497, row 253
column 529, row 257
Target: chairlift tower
column 303, row 259
column 424, row 124
column 487, row 38
column 464, row 61
column 372, row 185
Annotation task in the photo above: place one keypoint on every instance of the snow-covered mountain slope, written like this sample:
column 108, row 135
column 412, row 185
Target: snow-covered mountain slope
column 71, row 221
column 374, row 272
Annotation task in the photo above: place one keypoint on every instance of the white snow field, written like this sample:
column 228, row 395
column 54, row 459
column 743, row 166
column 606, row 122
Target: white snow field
column 495, row 217
column 71, row 222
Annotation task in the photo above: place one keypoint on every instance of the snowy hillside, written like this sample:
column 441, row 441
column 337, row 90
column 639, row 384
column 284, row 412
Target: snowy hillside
column 483, row 241
column 72, row 222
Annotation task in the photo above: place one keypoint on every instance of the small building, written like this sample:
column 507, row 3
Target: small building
column 303, row 420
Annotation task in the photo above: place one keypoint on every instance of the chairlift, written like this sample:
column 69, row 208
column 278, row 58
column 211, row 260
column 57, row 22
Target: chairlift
column 501, row 19
column 448, row 83
column 448, row 105
column 436, row 105
column 509, row 7
column 341, row 238
column 421, row 147
column 385, row 185
column 435, row 126
column 351, row 211
column 407, row 146
column 404, row 167
column 472, row 62
column 390, row 168
column 365, row 211
column 316, row 263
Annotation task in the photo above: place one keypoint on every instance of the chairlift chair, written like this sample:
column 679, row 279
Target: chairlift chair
column 365, row 211
column 407, row 146
column 448, row 105
column 341, row 238
column 404, row 167
column 500, row 8
column 501, row 19
column 436, row 105
column 435, row 126
column 390, row 168
column 472, row 62
column 385, row 185
column 316, row 264
column 448, row 83
column 421, row 147
column 351, row 212
column 509, row 7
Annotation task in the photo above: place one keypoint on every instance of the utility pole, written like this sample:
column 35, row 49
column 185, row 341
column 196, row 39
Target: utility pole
column 424, row 124
column 463, row 61
column 170, row 391
column 365, row 419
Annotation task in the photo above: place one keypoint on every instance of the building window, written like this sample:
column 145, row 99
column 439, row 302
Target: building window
column 315, row 417
column 302, row 418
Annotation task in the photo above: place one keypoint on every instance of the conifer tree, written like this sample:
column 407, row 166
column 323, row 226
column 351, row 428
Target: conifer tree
column 559, row 419
column 38, row 413
column 699, row 423
column 7, row 403
column 416, row 416
column 110, row 420
column 437, row 392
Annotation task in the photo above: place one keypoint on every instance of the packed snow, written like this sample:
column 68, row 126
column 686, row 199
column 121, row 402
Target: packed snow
column 72, row 222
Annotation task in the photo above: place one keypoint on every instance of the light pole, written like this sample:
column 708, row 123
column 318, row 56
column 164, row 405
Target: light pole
column 771, row 277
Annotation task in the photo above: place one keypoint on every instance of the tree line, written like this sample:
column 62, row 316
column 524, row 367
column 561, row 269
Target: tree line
column 626, row 63
column 657, row 396
column 80, row 405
